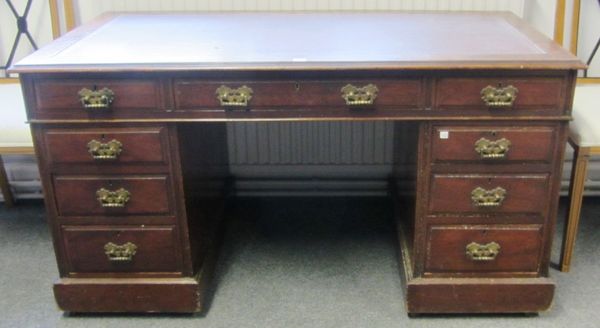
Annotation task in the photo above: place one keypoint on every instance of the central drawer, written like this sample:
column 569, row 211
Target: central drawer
column 204, row 94
column 113, row 195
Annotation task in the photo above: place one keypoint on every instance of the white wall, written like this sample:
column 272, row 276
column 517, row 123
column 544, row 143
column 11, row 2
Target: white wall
column 589, row 32
column 541, row 14
column 87, row 9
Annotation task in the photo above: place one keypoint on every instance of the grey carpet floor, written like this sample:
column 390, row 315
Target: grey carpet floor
column 291, row 263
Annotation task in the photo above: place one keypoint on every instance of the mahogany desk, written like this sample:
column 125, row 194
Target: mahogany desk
column 128, row 116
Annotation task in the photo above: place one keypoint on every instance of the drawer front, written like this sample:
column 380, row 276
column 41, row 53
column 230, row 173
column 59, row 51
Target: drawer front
column 546, row 94
column 112, row 195
column 493, row 144
column 106, row 145
column 488, row 193
column 127, row 94
column 121, row 249
column 203, row 95
column 483, row 249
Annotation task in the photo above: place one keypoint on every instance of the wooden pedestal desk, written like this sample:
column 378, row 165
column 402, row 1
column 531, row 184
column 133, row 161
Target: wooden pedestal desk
column 128, row 115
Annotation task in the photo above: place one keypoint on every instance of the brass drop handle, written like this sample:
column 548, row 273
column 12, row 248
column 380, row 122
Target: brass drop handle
column 96, row 99
column 229, row 97
column 120, row 253
column 488, row 198
column 489, row 149
column 499, row 96
column 359, row 96
column 105, row 150
column 479, row 252
column 117, row 198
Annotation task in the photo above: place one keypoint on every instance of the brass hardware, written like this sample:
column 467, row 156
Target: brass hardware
column 359, row 96
column 479, row 252
column 492, row 149
column 499, row 96
column 488, row 198
column 117, row 198
column 96, row 99
column 120, row 253
column 109, row 150
column 234, row 97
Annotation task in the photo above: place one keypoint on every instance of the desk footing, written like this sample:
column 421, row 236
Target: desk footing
column 175, row 295
column 479, row 295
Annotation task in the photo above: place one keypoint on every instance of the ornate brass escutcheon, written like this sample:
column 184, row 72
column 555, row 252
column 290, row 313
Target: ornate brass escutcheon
column 479, row 252
column 229, row 97
column 103, row 151
column 117, row 198
column 96, row 99
column 488, row 198
column 499, row 96
column 120, row 253
column 492, row 149
column 359, row 96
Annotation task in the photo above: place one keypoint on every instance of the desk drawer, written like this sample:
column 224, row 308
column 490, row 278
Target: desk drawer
column 147, row 145
column 483, row 249
column 121, row 249
column 534, row 94
column 488, row 193
column 492, row 144
column 204, row 95
column 113, row 195
column 102, row 95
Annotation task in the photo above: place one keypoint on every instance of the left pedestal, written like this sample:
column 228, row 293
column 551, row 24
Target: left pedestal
column 135, row 210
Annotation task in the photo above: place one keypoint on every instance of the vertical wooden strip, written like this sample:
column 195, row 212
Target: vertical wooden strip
column 575, row 26
column 576, row 188
column 54, row 19
column 559, row 21
column 69, row 14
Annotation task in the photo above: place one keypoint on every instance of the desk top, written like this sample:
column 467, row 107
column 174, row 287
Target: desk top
column 300, row 41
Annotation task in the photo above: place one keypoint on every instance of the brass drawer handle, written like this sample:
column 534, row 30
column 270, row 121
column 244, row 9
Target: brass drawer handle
column 117, row 198
column 96, row 99
column 492, row 149
column 102, row 151
column 488, row 198
column 229, row 97
column 120, row 253
column 359, row 96
column 479, row 252
column 499, row 96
